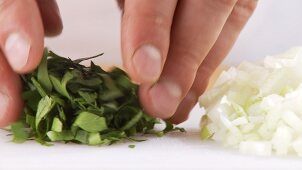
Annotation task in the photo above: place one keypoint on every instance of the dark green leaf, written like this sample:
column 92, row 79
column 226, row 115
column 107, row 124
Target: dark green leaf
column 42, row 74
column 61, row 113
column 87, row 58
column 38, row 86
column 30, row 120
column 88, row 97
column 60, row 86
column 31, row 99
column 82, row 136
column 137, row 116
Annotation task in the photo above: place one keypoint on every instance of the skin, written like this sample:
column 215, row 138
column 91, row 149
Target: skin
column 169, row 47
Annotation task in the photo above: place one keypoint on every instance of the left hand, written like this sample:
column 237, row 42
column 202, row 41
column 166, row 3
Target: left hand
column 24, row 23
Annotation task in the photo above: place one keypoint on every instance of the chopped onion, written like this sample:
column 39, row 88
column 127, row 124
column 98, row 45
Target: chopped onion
column 257, row 107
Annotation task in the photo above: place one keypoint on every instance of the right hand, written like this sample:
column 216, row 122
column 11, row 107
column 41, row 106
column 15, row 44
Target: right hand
column 24, row 23
column 172, row 47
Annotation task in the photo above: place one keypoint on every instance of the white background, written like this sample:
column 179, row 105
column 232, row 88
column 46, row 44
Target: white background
column 91, row 27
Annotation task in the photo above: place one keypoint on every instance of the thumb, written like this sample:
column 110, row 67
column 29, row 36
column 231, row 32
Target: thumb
column 10, row 94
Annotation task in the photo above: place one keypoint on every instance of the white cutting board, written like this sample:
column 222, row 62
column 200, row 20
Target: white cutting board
column 275, row 26
column 174, row 151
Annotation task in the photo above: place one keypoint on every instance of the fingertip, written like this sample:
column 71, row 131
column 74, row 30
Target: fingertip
column 149, row 105
column 53, row 31
column 184, row 108
column 51, row 17
column 179, row 120
column 161, row 100
column 120, row 4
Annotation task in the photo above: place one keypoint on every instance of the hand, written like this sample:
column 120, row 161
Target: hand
column 172, row 47
column 23, row 25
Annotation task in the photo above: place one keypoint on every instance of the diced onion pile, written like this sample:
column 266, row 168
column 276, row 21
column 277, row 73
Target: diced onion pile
column 257, row 108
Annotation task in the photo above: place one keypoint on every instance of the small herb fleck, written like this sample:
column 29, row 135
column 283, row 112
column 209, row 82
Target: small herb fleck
column 131, row 146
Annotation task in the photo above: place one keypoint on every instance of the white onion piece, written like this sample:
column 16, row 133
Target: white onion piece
column 258, row 107
column 297, row 146
column 282, row 140
column 240, row 121
column 292, row 120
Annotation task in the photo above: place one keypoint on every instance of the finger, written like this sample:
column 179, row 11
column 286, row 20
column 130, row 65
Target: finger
column 10, row 90
column 120, row 4
column 145, row 37
column 196, row 27
column 51, row 17
column 231, row 30
column 21, row 34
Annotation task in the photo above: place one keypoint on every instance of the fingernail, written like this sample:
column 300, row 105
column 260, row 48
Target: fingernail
column 16, row 50
column 165, row 96
column 147, row 62
column 3, row 104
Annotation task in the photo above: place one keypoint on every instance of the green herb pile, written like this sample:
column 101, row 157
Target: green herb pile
column 67, row 101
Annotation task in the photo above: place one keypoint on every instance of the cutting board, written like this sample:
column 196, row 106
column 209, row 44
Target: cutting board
column 174, row 151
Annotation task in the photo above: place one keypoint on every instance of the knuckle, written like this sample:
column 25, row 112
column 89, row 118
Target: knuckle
column 244, row 9
column 147, row 23
column 191, row 58
column 157, row 20
column 223, row 3
column 4, row 4
column 249, row 5
column 153, row 18
column 227, row 3
column 206, row 70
